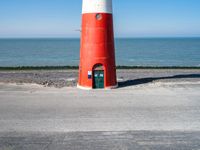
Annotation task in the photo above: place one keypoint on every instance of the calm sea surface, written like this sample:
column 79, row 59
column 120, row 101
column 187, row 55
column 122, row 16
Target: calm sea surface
column 132, row 52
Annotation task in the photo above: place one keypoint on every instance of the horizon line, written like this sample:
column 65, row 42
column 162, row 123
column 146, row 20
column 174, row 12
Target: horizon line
column 118, row 37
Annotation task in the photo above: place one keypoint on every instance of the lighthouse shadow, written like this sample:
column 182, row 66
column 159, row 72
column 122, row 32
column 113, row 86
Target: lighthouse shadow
column 141, row 81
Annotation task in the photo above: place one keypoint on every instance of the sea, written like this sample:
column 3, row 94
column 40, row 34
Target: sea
column 159, row 52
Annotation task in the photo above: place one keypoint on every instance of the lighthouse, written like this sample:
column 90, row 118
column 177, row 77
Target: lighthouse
column 97, row 69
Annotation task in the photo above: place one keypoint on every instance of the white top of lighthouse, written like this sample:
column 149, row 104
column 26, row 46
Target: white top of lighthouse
column 97, row 6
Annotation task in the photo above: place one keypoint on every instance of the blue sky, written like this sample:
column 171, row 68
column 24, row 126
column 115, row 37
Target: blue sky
column 133, row 18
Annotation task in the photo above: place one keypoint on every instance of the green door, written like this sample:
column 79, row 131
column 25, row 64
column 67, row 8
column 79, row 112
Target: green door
column 98, row 79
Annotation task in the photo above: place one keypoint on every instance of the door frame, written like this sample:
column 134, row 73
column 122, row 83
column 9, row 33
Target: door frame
column 97, row 67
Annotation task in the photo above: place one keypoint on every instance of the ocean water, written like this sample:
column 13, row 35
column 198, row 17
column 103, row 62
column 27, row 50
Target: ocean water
column 129, row 52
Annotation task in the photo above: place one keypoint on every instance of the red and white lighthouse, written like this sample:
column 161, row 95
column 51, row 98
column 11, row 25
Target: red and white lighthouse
column 97, row 54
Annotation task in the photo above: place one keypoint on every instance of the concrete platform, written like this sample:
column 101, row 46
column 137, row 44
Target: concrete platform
column 161, row 115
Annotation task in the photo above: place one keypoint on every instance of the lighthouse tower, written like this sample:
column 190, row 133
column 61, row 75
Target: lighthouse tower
column 97, row 54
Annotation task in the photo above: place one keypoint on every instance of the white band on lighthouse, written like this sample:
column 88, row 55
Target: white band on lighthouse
column 97, row 6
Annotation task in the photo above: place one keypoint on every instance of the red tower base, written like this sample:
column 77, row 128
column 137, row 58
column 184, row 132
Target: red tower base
column 97, row 56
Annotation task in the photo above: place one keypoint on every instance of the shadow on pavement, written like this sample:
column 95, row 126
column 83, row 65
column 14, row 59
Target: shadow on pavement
column 149, row 80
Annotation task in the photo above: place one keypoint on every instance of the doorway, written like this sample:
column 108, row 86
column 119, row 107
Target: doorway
column 98, row 81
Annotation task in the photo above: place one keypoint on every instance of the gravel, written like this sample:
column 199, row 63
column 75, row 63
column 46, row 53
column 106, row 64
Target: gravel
column 126, row 77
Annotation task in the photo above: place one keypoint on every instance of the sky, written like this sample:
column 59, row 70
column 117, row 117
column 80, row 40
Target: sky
column 132, row 18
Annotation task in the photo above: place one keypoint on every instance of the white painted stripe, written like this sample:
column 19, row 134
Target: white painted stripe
column 97, row 6
column 84, row 88
column 90, row 88
column 112, row 87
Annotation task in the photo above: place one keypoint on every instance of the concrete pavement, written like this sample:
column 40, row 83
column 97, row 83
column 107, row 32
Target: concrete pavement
column 161, row 115
column 131, row 140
